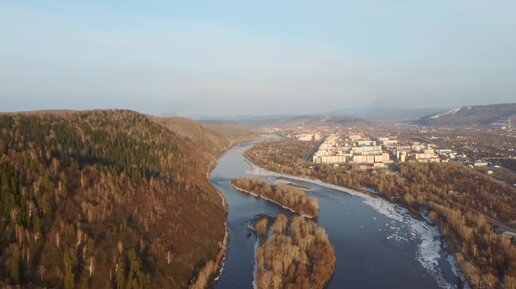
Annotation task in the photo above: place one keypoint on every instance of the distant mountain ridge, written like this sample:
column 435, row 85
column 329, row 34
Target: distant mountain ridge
column 297, row 120
column 471, row 115
column 312, row 121
column 387, row 114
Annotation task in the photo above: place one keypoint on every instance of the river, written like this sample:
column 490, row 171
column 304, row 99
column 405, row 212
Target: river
column 377, row 244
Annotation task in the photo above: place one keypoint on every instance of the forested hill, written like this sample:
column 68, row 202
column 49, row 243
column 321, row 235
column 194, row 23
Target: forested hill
column 103, row 199
column 208, row 142
column 209, row 138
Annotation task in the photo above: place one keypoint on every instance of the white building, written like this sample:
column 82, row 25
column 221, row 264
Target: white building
column 367, row 150
column 330, row 159
column 309, row 137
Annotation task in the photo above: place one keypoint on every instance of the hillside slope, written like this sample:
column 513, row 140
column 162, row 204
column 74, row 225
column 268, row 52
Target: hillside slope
column 472, row 115
column 234, row 132
column 208, row 142
column 103, row 199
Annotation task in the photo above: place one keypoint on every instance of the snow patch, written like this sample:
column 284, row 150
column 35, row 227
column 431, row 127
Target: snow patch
column 451, row 111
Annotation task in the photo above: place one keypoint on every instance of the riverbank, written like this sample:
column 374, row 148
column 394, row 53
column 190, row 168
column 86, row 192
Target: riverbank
column 304, row 188
column 431, row 243
column 309, row 179
column 210, row 273
column 215, row 270
column 366, row 242
column 272, row 201
column 453, row 194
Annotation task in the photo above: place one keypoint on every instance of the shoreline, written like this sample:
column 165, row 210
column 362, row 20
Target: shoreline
column 272, row 201
column 256, row 244
column 304, row 188
column 221, row 256
column 308, row 179
column 382, row 206
column 368, row 198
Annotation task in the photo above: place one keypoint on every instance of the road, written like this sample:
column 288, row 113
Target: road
column 309, row 156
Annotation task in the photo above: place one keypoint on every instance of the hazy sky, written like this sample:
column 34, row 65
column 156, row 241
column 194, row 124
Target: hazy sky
column 255, row 57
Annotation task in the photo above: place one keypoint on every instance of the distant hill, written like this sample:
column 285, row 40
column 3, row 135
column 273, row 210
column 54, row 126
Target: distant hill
column 321, row 120
column 208, row 142
column 253, row 121
column 471, row 115
column 106, row 199
column 387, row 114
column 234, row 132
column 296, row 120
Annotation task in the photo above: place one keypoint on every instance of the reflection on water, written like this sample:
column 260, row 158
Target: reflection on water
column 377, row 244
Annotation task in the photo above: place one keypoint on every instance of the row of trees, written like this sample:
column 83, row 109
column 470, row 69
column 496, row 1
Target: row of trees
column 456, row 197
column 286, row 195
column 293, row 254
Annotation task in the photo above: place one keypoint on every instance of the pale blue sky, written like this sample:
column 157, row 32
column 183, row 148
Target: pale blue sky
column 255, row 57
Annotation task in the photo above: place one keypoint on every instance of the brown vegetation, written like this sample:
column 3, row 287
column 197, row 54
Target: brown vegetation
column 207, row 141
column 293, row 254
column 286, row 195
column 103, row 199
column 234, row 132
column 456, row 197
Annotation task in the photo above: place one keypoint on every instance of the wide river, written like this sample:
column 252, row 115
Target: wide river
column 377, row 244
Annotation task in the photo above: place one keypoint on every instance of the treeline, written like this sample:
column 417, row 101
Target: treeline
column 455, row 196
column 292, row 254
column 102, row 199
column 286, row 195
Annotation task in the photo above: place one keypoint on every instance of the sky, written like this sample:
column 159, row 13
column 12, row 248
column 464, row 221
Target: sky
column 217, row 58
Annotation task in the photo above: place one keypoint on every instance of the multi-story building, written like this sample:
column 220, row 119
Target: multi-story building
column 309, row 137
column 389, row 142
column 366, row 143
column 367, row 150
column 329, row 159
column 353, row 149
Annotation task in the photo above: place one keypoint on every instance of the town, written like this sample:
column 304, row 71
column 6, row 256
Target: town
column 354, row 147
column 375, row 147
column 375, row 153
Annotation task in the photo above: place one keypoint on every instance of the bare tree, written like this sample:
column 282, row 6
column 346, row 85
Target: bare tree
column 510, row 282
column 14, row 213
column 91, row 266
column 31, row 207
column 58, row 239
column 54, row 165
column 83, row 179
column 79, row 238
column 120, row 247
column 42, row 272
column 27, row 256
column 85, row 252
column 490, row 280
column 169, row 257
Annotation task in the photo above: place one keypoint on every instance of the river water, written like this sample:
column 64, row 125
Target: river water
column 377, row 244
